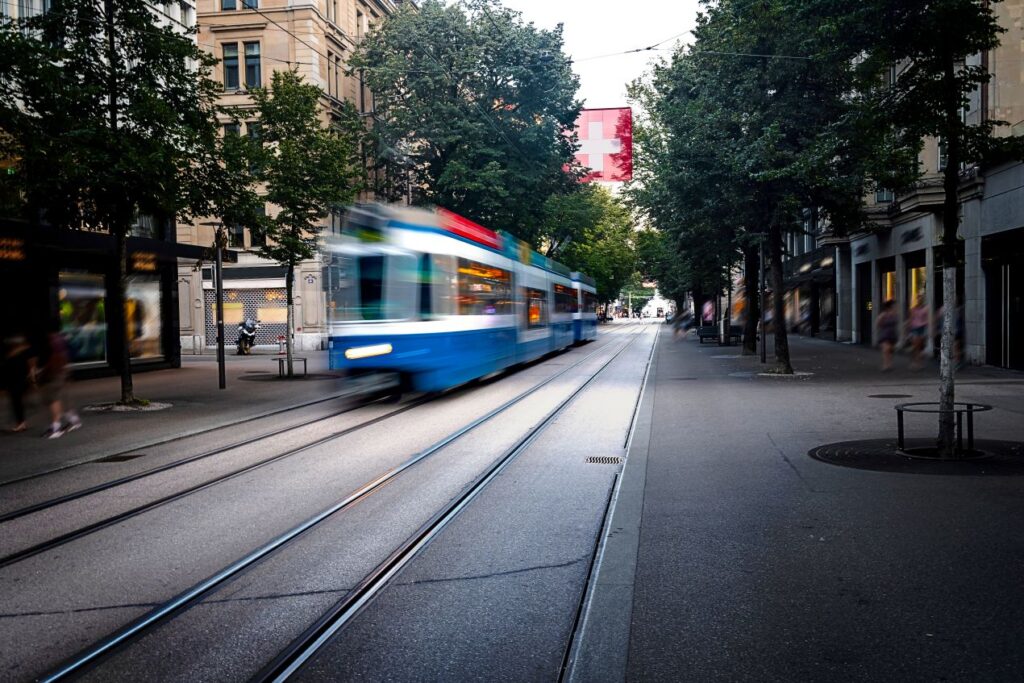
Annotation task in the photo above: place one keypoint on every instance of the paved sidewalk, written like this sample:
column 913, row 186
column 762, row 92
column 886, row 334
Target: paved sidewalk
column 733, row 555
column 253, row 387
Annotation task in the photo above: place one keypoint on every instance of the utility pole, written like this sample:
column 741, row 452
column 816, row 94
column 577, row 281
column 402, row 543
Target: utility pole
column 764, row 333
column 221, row 374
column 219, row 241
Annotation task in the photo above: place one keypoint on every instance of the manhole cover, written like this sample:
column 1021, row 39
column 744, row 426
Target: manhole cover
column 890, row 396
column 990, row 458
column 120, row 458
column 603, row 460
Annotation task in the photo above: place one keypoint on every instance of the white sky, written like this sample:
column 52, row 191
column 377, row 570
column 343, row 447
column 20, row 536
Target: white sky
column 599, row 27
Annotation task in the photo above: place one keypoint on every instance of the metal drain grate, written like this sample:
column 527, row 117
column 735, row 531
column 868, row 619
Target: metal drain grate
column 604, row 460
column 120, row 458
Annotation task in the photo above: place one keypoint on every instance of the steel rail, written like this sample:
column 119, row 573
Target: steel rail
column 191, row 595
column 172, row 439
column 292, row 658
column 81, row 493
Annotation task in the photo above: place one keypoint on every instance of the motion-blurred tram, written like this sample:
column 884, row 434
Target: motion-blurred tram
column 442, row 300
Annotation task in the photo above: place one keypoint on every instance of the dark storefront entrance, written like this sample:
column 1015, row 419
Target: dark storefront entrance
column 1003, row 260
column 864, row 304
column 64, row 279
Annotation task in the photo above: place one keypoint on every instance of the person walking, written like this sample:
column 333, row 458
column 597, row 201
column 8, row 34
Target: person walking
column 886, row 325
column 52, row 382
column 18, row 370
column 917, row 331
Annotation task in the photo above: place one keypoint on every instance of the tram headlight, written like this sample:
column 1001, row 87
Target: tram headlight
column 357, row 352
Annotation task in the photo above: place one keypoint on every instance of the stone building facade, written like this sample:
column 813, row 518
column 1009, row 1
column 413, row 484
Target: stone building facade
column 901, row 260
column 253, row 38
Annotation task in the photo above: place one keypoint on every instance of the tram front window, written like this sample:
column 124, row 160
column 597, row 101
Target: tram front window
column 371, row 287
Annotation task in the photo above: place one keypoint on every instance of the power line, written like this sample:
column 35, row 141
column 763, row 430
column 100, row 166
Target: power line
column 648, row 48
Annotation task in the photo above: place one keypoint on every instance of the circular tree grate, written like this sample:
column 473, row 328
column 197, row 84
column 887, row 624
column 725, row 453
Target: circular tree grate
column 990, row 458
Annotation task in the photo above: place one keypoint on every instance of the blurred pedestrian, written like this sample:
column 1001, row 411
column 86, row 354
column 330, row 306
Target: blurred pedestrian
column 18, row 370
column 917, row 332
column 886, row 325
column 52, row 380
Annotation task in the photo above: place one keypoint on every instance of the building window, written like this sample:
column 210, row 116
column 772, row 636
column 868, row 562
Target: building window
column 230, row 66
column 359, row 25
column 883, row 196
column 252, row 65
column 251, row 4
column 236, row 236
column 943, row 155
column 228, row 4
column 330, row 74
column 231, row 129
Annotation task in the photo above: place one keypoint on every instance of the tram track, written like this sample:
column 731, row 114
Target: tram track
column 171, row 440
column 49, row 544
column 305, row 647
column 81, row 532
column 188, row 598
column 98, row 488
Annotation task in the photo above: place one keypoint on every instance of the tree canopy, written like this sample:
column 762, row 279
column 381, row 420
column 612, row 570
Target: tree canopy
column 476, row 109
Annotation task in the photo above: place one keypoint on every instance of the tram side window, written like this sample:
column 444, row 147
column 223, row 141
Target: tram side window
column 589, row 302
column 443, row 284
column 536, row 307
column 425, row 286
column 565, row 299
column 483, row 289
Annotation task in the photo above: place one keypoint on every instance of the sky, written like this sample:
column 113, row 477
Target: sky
column 599, row 27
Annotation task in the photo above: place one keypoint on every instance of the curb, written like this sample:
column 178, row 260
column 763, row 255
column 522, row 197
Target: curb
column 601, row 650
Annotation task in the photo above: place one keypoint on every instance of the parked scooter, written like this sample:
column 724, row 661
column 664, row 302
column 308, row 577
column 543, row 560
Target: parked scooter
column 247, row 336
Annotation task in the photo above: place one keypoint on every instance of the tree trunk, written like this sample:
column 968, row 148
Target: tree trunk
column 751, row 299
column 290, row 316
column 120, row 298
column 782, row 363
column 950, row 224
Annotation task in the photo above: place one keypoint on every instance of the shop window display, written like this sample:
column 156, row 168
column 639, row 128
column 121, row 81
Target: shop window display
column 142, row 317
column 83, row 321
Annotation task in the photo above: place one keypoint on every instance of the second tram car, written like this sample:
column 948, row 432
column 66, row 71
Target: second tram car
column 442, row 300
column 584, row 319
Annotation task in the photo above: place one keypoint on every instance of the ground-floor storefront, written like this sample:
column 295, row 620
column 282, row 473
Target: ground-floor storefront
column 65, row 280
column 904, row 265
column 253, row 289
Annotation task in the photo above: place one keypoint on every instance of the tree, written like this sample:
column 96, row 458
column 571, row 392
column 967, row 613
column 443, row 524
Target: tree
column 761, row 121
column 568, row 215
column 604, row 250
column 477, row 107
column 307, row 168
column 113, row 117
column 930, row 44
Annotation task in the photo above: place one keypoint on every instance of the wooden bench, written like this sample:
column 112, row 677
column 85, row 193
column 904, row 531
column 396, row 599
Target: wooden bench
column 282, row 364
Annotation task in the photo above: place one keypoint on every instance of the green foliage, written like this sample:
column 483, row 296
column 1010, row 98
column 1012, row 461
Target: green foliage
column 476, row 109
column 307, row 167
column 95, row 160
column 604, row 249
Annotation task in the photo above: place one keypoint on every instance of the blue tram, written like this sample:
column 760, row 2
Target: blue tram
column 584, row 320
column 442, row 300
